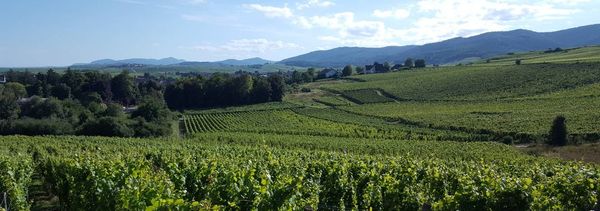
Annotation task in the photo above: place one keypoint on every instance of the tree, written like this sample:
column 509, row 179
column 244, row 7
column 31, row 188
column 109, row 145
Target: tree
column 420, row 63
column 312, row 72
column 409, row 63
column 558, row 132
column 262, row 91
column 277, row 87
column 9, row 109
column 16, row 89
column 61, row 91
column 152, row 109
column 348, row 70
column 74, row 80
column 241, row 87
column 307, row 77
column 114, row 110
column 122, row 88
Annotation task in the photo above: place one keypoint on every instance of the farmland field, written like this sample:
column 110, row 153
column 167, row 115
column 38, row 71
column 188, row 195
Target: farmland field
column 434, row 139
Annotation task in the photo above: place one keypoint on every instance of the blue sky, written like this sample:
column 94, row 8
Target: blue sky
column 63, row 32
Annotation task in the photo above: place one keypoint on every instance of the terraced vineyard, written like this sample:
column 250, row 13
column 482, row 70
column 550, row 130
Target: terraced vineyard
column 291, row 172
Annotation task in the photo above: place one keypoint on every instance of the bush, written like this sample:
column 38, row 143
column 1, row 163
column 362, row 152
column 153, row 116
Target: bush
column 106, row 126
column 305, row 89
column 34, row 127
column 151, row 129
column 558, row 132
column 508, row 140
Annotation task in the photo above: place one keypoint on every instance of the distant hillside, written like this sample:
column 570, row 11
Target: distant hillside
column 250, row 61
column 110, row 62
column 453, row 50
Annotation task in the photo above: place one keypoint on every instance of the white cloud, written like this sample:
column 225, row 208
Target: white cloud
column 247, row 45
column 314, row 3
column 349, row 31
column 397, row 14
column 452, row 18
column 270, row 11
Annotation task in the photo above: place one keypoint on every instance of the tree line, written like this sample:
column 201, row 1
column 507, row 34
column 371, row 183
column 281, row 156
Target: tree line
column 222, row 90
column 82, row 103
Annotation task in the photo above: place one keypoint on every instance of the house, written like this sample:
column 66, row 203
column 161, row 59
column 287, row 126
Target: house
column 2, row 79
column 328, row 73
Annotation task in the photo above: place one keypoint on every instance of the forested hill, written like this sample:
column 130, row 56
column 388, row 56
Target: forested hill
column 454, row 50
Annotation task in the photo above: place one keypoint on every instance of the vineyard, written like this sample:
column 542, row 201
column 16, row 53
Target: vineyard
column 291, row 172
column 362, row 96
column 421, row 139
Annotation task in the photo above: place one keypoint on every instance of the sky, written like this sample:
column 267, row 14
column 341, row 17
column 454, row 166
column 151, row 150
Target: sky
column 35, row 33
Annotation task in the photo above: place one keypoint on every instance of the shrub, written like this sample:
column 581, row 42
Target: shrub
column 508, row 140
column 33, row 127
column 106, row 126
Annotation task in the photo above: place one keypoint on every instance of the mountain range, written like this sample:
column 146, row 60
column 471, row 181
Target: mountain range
column 453, row 50
column 450, row 51
column 170, row 61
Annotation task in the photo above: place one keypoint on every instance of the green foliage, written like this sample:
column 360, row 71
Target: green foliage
column 295, row 172
column 558, row 132
column 277, row 87
column 420, row 63
column 123, row 89
column 106, row 126
column 152, row 109
column 9, row 109
column 348, row 70
column 409, row 62
column 114, row 110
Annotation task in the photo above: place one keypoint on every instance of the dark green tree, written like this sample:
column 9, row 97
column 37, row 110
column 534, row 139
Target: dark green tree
column 348, row 70
column 152, row 109
column 61, row 91
column 420, row 63
column 9, row 109
column 409, row 63
column 277, row 87
column 262, row 91
column 558, row 132
column 123, row 89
